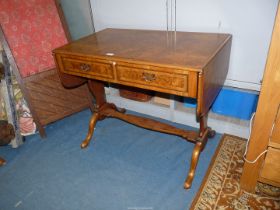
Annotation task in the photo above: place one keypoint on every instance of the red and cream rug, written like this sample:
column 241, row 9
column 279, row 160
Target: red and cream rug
column 221, row 190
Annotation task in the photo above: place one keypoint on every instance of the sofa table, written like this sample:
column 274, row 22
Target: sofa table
column 185, row 64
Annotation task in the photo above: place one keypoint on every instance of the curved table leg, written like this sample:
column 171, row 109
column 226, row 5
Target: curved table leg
column 92, row 123
column 195, row 156
column 199, row 146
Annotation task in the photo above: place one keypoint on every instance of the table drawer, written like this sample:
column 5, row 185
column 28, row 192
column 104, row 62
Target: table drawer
column 95, row 69
column 157, row 80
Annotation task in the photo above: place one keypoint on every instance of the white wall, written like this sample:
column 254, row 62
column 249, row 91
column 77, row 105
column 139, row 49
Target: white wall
column 249, row 21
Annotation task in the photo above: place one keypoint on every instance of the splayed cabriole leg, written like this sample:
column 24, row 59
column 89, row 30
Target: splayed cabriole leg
column 97, row 90
column 199, row 146
column 204, row 133
column 99, row 114
column 194, row 161
column 92, row 124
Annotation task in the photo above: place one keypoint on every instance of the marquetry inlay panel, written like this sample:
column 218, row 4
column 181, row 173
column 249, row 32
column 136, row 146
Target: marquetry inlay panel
column 96, row 68
column 157, row 79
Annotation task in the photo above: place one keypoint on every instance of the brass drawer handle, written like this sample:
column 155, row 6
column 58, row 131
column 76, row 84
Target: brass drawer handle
column 85, row 67
column 148, row 77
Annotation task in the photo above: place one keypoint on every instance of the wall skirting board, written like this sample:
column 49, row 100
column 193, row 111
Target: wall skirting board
column 177, row 112
column 243, row 84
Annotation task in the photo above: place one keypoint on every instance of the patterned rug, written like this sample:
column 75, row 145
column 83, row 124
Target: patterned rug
column 220, row 188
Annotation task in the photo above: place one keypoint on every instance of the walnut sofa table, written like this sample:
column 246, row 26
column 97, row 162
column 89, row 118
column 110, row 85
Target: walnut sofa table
column 185, row 64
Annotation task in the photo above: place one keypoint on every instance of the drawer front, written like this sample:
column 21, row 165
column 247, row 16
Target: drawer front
column 161, row 81
column 96, row 68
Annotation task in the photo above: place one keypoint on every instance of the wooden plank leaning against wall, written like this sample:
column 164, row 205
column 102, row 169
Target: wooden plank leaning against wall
column 267, row 109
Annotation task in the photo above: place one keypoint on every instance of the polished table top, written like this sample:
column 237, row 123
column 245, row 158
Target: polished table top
column 190, row 50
